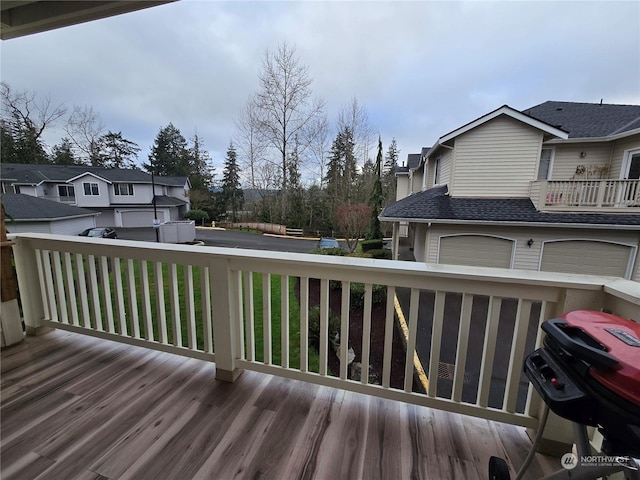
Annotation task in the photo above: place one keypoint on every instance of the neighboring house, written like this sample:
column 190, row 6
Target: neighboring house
column 555, row 187
column 25, row 213
column 123, row 197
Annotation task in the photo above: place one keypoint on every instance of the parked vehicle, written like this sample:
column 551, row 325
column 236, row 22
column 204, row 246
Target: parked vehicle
column 101, row 232
column 328, row 242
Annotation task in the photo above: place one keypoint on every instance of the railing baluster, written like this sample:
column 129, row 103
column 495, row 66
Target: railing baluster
column 59, row 282
column 146, row 301
column 106, row 291
column 266, row 318
column 463, row 343
column 249, row 316
column 414, row 304
column 284, row 317
column 71, row 288
column 516, row 359
column 436, row 341
column 388, row 337
column 190, row 307
column 304, row 324
column 175, row 305
column 122, row 314
column 161, row 312
column 237, row 310
column 82, row 288
column 95, row 295
column 344, row 330
column 133, row 299
column 489, row 349
column 44, row 292
column 366, row 333
column 532, row 403
column 205, row 286
column 324, row 325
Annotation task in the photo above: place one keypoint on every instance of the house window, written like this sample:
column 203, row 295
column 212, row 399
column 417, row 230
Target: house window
column 91, row 189
column 123, row 188
column 544, row 169
column 436, row 175
column 66, row 192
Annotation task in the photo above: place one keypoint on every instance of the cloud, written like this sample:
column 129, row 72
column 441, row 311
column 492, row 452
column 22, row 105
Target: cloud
column 420, row 68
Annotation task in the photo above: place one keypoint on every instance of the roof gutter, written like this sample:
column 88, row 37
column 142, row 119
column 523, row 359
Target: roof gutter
column 609, row 138
column 507, row 223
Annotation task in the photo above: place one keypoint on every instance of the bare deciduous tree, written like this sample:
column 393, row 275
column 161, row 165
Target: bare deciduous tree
column 23, row 110
column 250, row 141
column 354, row 116
column 285, row 106
column 85, row 127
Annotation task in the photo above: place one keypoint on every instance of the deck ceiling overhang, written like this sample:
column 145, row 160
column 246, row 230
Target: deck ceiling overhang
column 20, row 18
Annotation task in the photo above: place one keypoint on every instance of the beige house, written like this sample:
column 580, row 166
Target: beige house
column 554, row 188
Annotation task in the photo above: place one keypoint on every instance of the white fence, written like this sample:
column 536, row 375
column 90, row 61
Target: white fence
column 220, row 305
column 586, row 193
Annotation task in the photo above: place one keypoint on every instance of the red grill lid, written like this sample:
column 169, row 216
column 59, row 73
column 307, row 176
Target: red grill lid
column 621, row 337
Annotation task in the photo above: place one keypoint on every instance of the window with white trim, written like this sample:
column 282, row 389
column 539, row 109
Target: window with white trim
column 123, row 188
column 436, row 175
column 66, row 191
column 91, row 188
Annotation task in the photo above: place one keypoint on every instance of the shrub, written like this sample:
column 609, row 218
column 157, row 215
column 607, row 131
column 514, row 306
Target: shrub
column 330, row 251
column 197, row 215
column 383, row 253
column 378, row 294
column 314, row 326
column 371, row 245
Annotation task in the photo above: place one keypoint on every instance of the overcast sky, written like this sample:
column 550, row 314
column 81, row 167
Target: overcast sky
column 420, row 68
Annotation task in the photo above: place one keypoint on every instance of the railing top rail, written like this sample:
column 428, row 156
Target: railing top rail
column 303, row 264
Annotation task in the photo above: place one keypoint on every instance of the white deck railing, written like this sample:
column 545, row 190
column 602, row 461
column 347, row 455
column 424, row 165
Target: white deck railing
column 586, row 193
column 201, row 302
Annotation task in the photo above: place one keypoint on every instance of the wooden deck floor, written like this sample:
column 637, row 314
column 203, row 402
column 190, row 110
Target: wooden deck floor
column 75, row 407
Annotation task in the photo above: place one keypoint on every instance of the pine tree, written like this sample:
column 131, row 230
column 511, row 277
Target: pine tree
column 117, row 152
column 388, row 176
column 62, row 153
column 376, row 198
column 202, row 172
column 231, row 191
column 169, row 154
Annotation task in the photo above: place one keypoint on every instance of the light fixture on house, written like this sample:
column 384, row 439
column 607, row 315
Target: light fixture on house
column 583, row 154
column 530, row 242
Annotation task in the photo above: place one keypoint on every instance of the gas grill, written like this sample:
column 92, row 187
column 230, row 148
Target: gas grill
column 588, row 371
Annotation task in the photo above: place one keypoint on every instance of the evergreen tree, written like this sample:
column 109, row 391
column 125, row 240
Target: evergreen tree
column 117, row 152
column 389, row 174
column 169, row 154
column 62, row 153
column 202, row 172
column 375, row 201
column 295, row 200
column 231, row 190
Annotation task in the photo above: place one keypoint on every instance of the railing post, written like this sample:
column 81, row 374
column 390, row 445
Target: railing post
column 602, row 186
column 225, row 327
column 29, row 286
column 542, row 195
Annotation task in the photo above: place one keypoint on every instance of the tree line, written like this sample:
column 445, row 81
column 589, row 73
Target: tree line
column 295, row 168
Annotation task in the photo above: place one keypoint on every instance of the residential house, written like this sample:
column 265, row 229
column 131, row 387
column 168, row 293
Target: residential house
column 123, row 197
column 555, row 187
column 25, row 213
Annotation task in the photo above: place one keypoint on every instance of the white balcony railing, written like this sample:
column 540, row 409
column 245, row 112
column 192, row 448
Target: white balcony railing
column 204, row 302
column 586, row 194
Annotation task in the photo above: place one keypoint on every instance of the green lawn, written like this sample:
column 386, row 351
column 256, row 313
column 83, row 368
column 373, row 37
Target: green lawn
column 276, row 314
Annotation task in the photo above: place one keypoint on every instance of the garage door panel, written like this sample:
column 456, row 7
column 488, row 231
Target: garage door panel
column 586, row 257
column 137, row 219
column 476, row 250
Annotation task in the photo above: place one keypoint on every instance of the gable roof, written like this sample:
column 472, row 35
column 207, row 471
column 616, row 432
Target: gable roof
column 25, row 208
column 588, row 120
column 436, row 206
column 510, row 112
column 33, row 174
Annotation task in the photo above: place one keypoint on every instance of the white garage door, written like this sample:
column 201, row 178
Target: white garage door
column 137, row 219
column 586, row 257
column 476, row 250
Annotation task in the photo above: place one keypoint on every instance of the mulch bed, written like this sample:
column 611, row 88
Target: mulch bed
column 376, row 348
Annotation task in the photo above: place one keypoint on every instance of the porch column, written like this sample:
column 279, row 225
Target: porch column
column 225, row 296
column 33, row 308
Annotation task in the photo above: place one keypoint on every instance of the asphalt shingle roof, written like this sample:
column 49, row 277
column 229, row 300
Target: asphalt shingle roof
column 434, row 204
column 587, row 120
column 33, row 174
column 413, row 160
column 21, row 207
